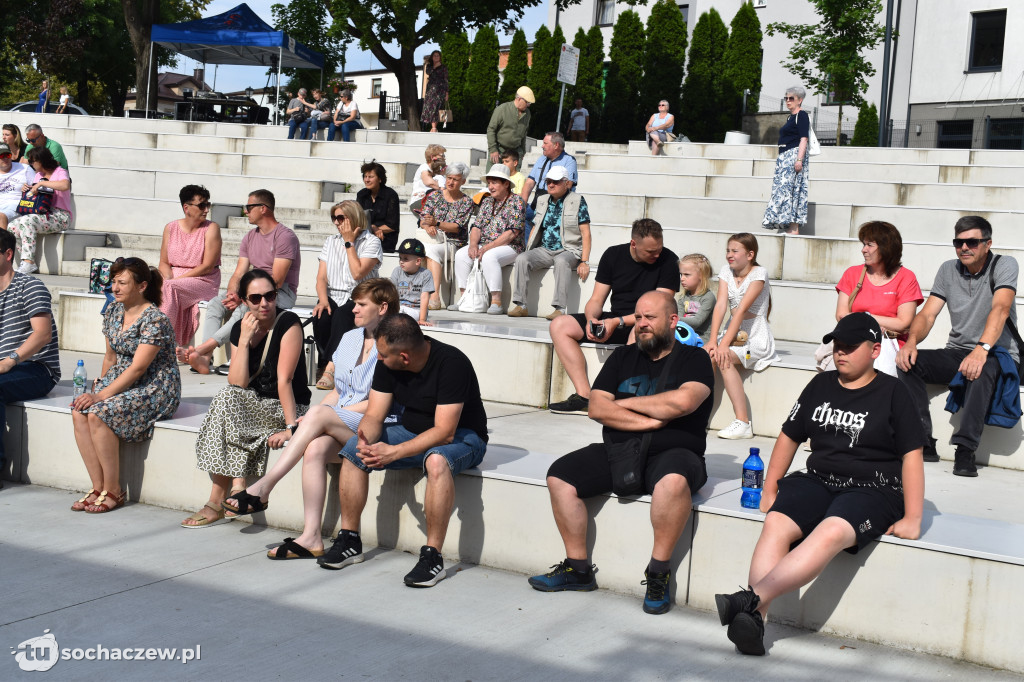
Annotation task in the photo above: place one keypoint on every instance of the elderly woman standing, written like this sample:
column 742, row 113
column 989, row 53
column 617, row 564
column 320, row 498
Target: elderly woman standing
column 437, row 89
column 787, row 207
column 139, row 382
column 659, row 126
column 444, row 225
column 496, row 238
column 189, row 262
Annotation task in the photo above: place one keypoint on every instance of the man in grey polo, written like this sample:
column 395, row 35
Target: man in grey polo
column 979, row 291
column 561, row 240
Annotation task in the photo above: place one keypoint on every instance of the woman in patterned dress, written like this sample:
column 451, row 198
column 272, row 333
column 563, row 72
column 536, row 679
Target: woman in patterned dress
column 266, row 393
column 444, row 225
column 139, row 382
column 496, row 238
column 437, row 89
column 190, row 262
column 787, row 207
column 326, row 427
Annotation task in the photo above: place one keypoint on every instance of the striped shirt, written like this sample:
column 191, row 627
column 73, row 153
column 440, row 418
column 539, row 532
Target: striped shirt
column 24, row 298
column 340, row 281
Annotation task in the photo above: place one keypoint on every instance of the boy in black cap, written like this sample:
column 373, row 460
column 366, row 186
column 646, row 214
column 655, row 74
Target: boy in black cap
column 865, row 477
column 414, row 282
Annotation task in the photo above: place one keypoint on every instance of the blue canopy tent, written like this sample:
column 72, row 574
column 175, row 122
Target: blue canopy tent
column 237, row 36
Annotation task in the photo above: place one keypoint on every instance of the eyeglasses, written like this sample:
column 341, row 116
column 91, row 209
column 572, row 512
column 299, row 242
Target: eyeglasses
column 249, row 207
column 790, row 98
column 552, row 182
column 969, row 243
column 202, row 205
column 662, row 105
column 32, row 140
column 339, row 218
column 255, row 299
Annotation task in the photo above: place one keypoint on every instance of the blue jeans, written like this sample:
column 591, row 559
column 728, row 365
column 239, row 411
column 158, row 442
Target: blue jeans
column 316, row 124
column 464, row 452
column 346, row 130
column 302, row 127
column 27, row 381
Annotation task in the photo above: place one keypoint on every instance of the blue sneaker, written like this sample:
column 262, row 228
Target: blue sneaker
column 565, row 577
column 659, row 595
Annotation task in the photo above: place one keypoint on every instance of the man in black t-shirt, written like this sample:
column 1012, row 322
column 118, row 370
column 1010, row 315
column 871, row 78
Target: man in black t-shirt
column 626, row 401
column 865, row 477
column 442, row 431
column 625, row 272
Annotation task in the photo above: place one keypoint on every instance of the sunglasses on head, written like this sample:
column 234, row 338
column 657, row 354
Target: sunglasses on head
column 129, row 262
column 249, row 207
column 202, row 205
column 969, row 243
column 255, row 299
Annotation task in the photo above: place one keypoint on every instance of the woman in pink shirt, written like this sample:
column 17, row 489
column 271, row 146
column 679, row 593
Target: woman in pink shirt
column 48, row 174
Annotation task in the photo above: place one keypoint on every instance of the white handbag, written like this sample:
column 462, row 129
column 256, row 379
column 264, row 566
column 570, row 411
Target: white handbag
column 813, row 147
column 476, row 298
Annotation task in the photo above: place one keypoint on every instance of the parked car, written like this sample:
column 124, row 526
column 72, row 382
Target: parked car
column 50, row 108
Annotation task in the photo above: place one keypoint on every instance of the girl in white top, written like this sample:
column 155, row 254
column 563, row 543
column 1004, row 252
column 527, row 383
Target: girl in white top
column 743, row 287
column 426, row 180
column 62, row 108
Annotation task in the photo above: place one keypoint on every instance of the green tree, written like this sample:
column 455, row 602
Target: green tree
column 589, row 77
column 481, row 79
column 709, row 99
column 517, row 68
column 664, row 57
column 622, row 114
column 543, row 71
column 308, row 22
column 865, row 132
column 455, row 53
column 828, row 56
column 743, row 55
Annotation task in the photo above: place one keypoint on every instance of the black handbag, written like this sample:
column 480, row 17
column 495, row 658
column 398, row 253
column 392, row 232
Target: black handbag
column 628, row 459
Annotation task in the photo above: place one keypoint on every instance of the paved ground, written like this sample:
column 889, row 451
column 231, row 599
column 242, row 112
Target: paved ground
column 133, row 578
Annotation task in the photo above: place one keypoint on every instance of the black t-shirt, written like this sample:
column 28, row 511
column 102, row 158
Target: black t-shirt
column 629, row 372
column 266, row 383
column 447, row 378
column 630, row 279
column 858, row 436
column 383, row 211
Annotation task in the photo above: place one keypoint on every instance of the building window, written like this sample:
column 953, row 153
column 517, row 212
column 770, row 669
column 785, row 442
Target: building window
column 987, row 32
column 375, row 88
column 605, row 12
column 955, row 134
column 1005, row 133
column 685, row 11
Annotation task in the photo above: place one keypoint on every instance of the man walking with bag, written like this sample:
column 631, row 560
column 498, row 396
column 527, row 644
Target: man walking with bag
column 656, row 394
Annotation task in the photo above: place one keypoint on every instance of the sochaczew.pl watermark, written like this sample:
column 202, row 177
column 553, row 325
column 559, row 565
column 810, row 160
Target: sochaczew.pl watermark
column 39, row 654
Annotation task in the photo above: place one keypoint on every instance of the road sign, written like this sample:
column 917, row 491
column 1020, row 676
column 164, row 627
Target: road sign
column 568, row 64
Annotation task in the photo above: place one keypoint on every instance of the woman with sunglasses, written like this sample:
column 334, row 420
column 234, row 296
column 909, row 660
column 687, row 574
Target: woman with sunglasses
column 787, row 207
column 348, row 258
column 190, row 262
column 265, row 396
column 139, row 382
column 658, row 127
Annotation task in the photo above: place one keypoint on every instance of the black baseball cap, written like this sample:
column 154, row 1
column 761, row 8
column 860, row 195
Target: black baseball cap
column 855, row 329
column 412, row 247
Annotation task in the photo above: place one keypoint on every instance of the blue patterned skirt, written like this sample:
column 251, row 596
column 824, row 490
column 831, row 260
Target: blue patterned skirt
column 788, row 203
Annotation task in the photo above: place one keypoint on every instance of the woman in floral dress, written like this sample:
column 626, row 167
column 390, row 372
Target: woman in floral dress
column 437, row 90
column 444, row 226
column 139, row 382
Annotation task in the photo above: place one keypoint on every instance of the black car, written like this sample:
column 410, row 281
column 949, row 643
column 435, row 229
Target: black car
column 51, row 107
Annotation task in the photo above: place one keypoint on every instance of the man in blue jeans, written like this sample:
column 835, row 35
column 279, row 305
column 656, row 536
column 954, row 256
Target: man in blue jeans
column 442, row 431
column 29, row 363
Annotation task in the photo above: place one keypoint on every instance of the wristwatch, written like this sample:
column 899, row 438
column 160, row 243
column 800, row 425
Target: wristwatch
column 622, row 322
column 348, row 245
column 292, row 427
column 14, row 356
column 985, row 346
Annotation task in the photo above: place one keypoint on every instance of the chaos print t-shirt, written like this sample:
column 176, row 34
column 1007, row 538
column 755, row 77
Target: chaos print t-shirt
column 858, row 436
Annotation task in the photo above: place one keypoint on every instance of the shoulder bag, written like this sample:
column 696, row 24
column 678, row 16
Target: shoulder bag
column 1009, row 323
column 823, row 355
column 629, row 459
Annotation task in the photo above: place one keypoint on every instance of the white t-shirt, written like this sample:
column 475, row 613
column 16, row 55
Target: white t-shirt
column 10, row 187
column 578, row 119
column 64, row 99
column 420, row 188
column 345, row 109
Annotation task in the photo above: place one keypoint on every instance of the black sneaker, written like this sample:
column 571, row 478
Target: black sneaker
column 930, row 453
column 731, row 605
column 564, row 577
column 658, row 598
column 346, row 550
column 574, row 404
column 429, row 569
column 963, row 464
column 746, row 631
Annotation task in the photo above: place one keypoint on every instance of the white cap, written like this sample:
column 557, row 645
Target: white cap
column 557, row 173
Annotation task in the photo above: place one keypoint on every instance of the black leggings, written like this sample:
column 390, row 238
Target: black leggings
column 329, row 328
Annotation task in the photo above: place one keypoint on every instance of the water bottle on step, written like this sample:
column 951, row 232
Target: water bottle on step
column 753, row 479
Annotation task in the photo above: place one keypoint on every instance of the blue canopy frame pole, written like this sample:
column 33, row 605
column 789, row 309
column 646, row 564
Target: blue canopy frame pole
column 149, row 79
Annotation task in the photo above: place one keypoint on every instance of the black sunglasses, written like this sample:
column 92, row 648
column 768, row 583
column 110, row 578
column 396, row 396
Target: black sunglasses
column 970, row 243
column 202, row 205
column 128, row 262
column 32, row 140
column 249, row 207
column 339, row 218
column 255, row 299
column 791, row 99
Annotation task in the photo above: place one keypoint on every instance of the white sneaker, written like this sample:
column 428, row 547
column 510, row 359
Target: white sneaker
column 736, row 431
column 27, row 268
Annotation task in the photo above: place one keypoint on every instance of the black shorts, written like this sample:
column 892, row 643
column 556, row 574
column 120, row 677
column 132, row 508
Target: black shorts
column 620, row 336
column 588, row 471
column 808, row 500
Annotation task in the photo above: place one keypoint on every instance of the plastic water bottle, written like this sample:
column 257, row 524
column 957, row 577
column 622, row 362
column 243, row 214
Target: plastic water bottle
column 80, row 378
column 753, row 479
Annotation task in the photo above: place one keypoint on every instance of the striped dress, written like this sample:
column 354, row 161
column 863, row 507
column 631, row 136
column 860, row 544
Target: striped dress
column 352, row 381
column 185, row 251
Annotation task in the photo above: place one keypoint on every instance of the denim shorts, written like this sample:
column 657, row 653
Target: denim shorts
column 464, row 452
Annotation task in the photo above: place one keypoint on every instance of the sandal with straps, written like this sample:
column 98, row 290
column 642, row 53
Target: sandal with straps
column 98, row 507
column 81, row 504
column 326, row 382
column 202, row 521
column 247, row 504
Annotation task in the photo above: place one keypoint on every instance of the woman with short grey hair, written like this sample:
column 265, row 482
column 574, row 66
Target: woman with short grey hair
column 444, row 226
column 659, row 127
column 787, row 207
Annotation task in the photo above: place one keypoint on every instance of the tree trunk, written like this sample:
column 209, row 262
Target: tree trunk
column 83, row 99
column 138, row 17
column 408, row 92
column 839, row 126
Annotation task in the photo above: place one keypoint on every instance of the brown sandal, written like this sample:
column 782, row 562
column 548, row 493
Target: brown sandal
column 81, row 504
column 98, row 507
column 326, row 384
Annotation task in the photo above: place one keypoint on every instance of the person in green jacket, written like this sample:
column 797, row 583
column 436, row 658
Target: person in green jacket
column 509, row 122
column 34, row 138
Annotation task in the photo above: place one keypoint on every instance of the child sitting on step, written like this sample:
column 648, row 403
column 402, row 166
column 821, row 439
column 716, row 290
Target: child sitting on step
column 414, row 282
column 696, row 301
